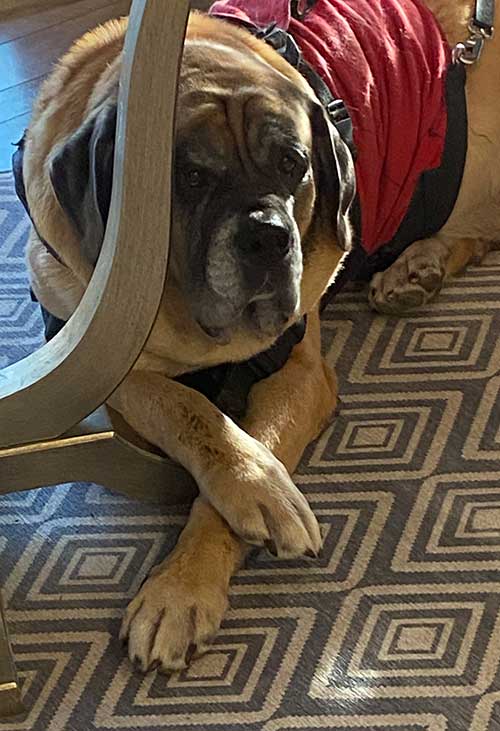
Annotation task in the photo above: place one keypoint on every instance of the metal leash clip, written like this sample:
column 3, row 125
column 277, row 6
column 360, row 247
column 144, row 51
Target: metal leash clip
column 470, row 51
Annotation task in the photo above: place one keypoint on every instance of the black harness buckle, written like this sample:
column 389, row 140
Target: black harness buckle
column 282, row 42
column 341, row 119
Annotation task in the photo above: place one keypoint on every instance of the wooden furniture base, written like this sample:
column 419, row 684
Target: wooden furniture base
column 10, row 694
column 101, row 449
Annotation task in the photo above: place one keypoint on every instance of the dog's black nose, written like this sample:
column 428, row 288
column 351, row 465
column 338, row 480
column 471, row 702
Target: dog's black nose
column 264, row 234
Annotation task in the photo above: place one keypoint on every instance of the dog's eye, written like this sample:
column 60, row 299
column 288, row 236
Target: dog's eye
column 288, row 164
column 294, row 165
column 195, row 178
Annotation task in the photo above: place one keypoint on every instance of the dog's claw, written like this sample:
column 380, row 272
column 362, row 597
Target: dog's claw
column 271, row 547
column 191, row 652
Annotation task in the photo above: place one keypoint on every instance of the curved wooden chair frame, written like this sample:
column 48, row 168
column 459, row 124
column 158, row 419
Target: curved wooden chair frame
column 53, row 425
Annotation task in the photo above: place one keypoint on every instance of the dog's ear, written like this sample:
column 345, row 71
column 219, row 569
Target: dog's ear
column 81, row 173
column 335, row 176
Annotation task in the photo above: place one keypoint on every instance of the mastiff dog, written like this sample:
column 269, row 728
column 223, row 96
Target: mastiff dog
column 317, row 141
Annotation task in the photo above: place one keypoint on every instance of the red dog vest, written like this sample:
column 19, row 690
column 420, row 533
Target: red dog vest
column 388, row 61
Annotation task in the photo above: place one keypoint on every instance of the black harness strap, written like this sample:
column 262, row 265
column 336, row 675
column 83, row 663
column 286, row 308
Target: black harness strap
column 228, row 385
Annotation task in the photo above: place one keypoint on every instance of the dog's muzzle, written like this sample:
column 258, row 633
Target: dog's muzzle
column 253, row 272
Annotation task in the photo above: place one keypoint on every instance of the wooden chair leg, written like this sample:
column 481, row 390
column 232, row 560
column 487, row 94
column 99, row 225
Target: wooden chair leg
column 10, row 694
column 97, row 451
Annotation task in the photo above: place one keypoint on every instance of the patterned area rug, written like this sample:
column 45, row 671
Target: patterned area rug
column 396, row 627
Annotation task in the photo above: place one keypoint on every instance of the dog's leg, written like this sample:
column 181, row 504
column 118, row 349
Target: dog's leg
column 178, row 610
column 238, row 474
column 290, row 408
column 418, row 274
column 180, row 607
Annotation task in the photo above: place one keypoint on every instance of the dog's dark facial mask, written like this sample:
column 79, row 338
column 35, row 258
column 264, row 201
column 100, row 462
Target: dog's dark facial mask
column 245, row 201
column 237, row 258
column 239, row 179
column 236, row 246
column 81, row 173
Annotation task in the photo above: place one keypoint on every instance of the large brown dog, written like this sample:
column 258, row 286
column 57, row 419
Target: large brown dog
column 265, row 132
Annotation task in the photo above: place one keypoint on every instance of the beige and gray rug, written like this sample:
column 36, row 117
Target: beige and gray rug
column 396, row 628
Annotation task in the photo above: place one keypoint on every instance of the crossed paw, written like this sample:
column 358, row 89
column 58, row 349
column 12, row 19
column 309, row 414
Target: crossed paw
column 179, row 609
column 173, row 618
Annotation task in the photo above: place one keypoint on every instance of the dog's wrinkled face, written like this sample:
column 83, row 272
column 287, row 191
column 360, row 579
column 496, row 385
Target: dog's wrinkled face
column 244, row 192
column 253, row 149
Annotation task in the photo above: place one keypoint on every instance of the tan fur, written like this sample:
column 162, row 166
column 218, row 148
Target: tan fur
column 244, row 489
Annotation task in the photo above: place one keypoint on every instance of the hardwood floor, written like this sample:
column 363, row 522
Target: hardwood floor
column 29, row 45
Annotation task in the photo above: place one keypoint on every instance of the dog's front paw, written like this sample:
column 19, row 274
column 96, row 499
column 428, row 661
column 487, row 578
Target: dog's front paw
column 262, row 504
column 173, row 618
